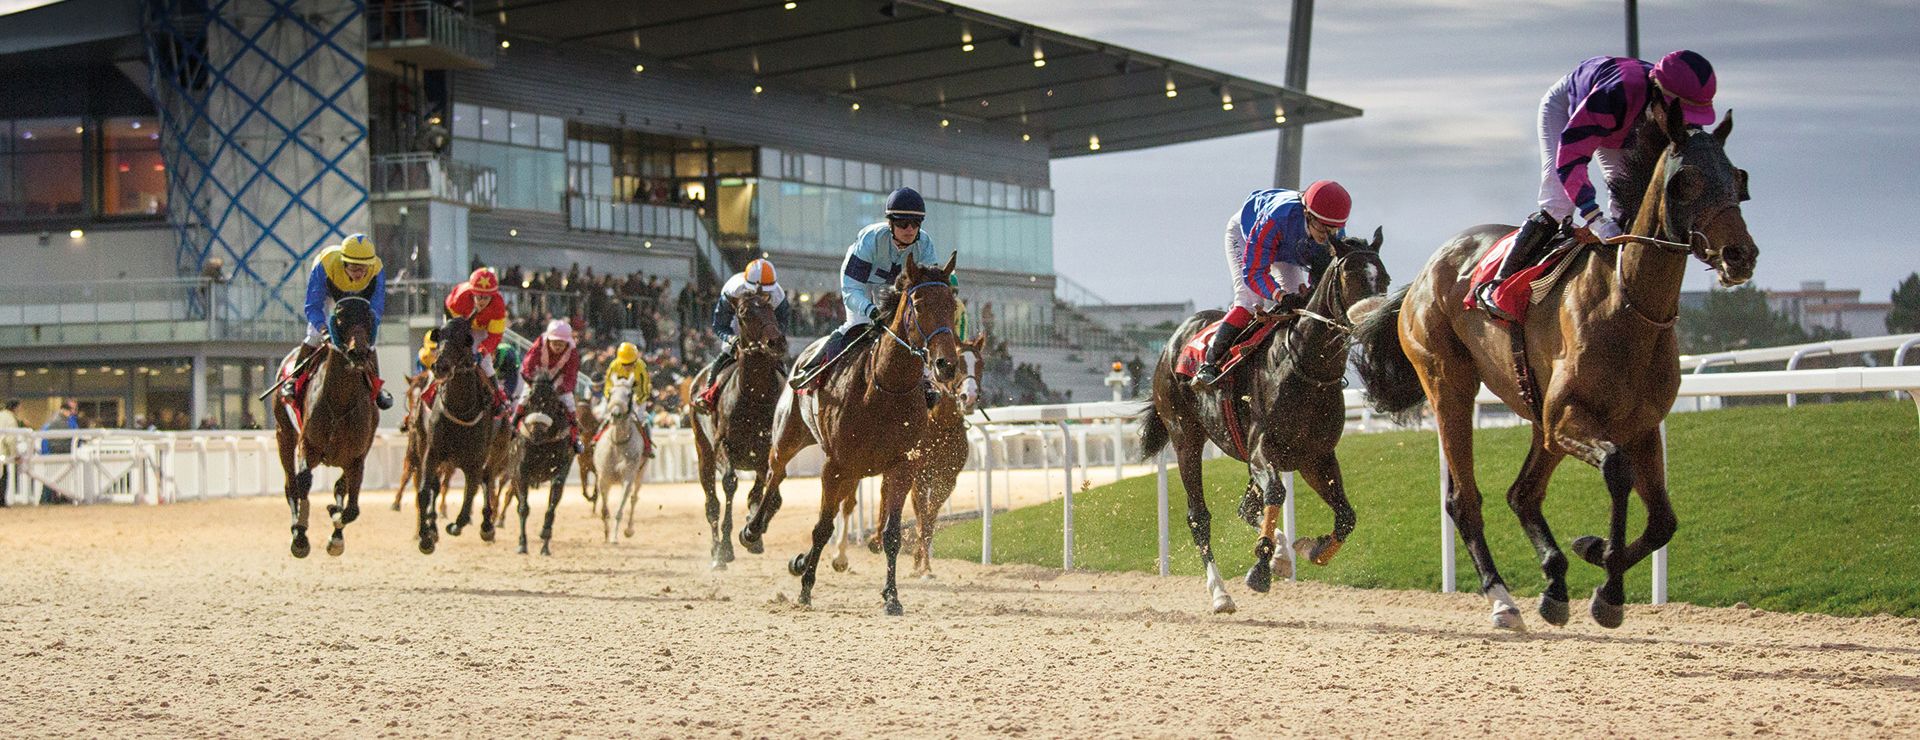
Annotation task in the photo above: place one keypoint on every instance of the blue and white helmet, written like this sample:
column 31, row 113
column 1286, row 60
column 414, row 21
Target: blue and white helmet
column 906, row 204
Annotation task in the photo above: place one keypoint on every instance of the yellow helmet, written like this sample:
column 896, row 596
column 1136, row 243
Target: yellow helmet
column 628, row 353
column 358, row 250
column 759, row 272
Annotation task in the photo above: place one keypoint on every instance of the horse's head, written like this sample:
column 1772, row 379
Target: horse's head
column 971, row 352
column 455, row 347
column 759, row 324
column 922, row 312
column 620, row 399
column 1702, row 193
column 544, row 407
column 351, row 327
column 1354, row 281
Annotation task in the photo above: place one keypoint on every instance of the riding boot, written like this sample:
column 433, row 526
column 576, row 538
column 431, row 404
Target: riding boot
column 702, row 400
column 1209, row 370
column 1539, row 229
column 381, row 397
column 288, row 388
column 804, row 376
column 933, row 394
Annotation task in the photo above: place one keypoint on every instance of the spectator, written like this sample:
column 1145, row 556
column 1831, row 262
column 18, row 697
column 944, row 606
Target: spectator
column 9, row 450
column 68, row 418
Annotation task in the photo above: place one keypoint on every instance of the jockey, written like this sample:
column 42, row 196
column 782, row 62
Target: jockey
column 875, row 258
column 1590, row 114
column 479, row 301
column 555, row 356
column 348, row 269
column 628, row 364
column 758, row 277
column 1279, row 229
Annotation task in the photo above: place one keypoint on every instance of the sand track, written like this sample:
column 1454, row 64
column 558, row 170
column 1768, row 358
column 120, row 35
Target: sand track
column 192, row 619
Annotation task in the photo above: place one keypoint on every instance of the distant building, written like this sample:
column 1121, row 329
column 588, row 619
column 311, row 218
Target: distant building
column 1815, row 306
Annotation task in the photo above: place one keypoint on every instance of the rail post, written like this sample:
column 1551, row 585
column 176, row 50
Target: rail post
column 1447, row 571
column 1160, row 475
column 1794, row 362
column 1660, row 555
column 986, row 500
column 1287, row 528
column 1066, row 526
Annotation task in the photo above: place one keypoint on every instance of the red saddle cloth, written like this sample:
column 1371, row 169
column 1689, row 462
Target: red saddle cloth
column 1195, row 351
column 1514, row 295
column 294, row 405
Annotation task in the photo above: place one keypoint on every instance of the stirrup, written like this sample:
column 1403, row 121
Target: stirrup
column 1202, row 379
column 1483, row 297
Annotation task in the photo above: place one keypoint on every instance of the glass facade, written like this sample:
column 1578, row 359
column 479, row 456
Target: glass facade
column 816, row 219
column 112, row 395
column 526, row 151
column 63, row 168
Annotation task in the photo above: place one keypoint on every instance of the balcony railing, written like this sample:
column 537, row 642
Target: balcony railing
column 606, row 215
column 145, row 311
column 430, row 35
column 421, row 176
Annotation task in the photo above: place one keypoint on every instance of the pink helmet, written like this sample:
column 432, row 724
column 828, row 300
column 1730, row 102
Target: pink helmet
column 559, row 329
column 1687, row 76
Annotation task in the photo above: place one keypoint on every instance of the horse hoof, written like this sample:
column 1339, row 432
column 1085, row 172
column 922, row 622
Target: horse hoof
column 927, row 577
column 486, row 533
column 629, row 535
column 726, row 550
column 751, row 542
column 718, row 565
column 522, row 550
column 1508, row 618
column 1259, row 578
column 336, row 546
column 1607, row 615
column 1316, row 550
column 839, row 565
column 873, row 546
column 454, row 529
column 1591, row 549
column 545, row 550
column 797, row 565
column 300, row 547
column 396, row 506
column 1223, row 604
column 426, row 546
column 894, row 609
column 1554, row 611
column 1282, row 566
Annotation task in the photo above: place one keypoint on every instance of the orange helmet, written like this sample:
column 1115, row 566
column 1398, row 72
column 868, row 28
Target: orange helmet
column 759, row 273
column 484, row 280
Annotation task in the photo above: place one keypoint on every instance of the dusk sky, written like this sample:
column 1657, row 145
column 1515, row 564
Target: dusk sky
column 1825, row 96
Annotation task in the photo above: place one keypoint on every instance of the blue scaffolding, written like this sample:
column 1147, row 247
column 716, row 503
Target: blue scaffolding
column 264, row 133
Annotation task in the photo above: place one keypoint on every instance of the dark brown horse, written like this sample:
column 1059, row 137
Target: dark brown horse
column 1601, row 346
column 410, row 465
column 338, row 419
column 454, row 432
column 589, row 428
column 867, row 414
column 546, row 456
column 736, row 434
column 938, row 460
column 1288, row 414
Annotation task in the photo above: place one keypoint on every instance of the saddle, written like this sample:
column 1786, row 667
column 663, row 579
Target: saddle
column 1195, row 350
column 818, row 345
column 296, row 405
column 1528, row 286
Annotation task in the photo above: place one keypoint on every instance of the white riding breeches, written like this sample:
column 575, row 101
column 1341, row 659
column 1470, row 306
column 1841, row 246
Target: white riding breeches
column 1555, row 108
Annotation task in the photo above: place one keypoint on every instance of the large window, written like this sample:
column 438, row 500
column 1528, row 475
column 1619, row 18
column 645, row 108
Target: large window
column 815, row 219
column 526, row 151
column 133, row 179
column 45, row 166
column 73, row 168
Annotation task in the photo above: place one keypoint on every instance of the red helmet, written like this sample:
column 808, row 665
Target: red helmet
column 1329, row 202
column 483, row 280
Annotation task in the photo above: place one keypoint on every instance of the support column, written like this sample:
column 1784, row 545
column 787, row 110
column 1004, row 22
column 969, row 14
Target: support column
column 199, row 401
column 1286, row 166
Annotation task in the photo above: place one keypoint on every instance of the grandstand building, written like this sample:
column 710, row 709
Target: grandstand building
column 169, row 167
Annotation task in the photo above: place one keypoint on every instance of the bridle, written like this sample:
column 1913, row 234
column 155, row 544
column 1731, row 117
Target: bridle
column 911, row 315
column 1342, row 329
column 1698, row 244
column 456, row 368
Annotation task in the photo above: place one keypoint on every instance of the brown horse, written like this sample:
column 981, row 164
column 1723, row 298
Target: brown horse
column 1601, row 346
column 938, row 460
column 409, row 464
column 867, row 414
column 455, row 432
column 736, row 433
column 1287, row 413
column 589, row 428
column 339, row 421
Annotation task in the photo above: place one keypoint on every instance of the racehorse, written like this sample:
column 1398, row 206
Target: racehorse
column 938, row 460
column 620, row 454
column 1600, row 345
column 409, row 465
column 546, row 447
column 735, row 432
column 1286, row 413
column 589, row 427
column 867, row 414
column 454, row 432
column 336, row 423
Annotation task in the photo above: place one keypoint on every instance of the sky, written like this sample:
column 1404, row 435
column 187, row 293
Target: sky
column 1826, row 98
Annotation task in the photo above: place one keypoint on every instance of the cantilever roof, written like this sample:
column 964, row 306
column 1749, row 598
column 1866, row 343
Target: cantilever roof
column 910, row 53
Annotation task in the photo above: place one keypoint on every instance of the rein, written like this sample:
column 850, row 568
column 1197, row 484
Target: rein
column 911, row 315
column 440, row 401
column 1342, row 331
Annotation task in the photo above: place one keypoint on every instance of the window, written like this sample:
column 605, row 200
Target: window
column 523, row 129
column 553, row 132
column 133, row 180
column 873, row 177
column 493, row 125
column 43, row 166
column 466, row 121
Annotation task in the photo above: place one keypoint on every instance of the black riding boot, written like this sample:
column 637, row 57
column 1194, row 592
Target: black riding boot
column 835, row 343
column 383, row 399
column 712, row 371
column 1538, row 229
column 1209, row 370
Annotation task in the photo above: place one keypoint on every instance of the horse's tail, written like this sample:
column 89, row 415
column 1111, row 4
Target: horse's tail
column 1392, row 385
column 1153, row 433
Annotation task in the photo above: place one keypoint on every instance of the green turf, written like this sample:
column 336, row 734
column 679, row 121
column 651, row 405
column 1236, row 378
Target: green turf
column 1815, row 508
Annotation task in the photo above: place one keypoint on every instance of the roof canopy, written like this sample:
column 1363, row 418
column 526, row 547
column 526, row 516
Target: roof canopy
column 949, row 61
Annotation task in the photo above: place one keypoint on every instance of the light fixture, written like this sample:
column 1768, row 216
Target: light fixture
column 966, row 39
column 76, row 234
column 638, row 68
column 647, row 244
column 1093, row 142
column 513, row 232
column 856, row 106
column 945, row 123
column 136, row 124
column 1172, row 92
column 758, row 89
column 79, row 129
column 792, row 5
column 1279, row 114
column 505, row 44
column 1226, row 99
column 1026, row 137
column 1039, row 57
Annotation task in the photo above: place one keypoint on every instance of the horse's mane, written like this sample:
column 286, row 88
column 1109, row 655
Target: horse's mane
column 888, row 299
column 1639, row 158
column 457, row 333
column 352, row 313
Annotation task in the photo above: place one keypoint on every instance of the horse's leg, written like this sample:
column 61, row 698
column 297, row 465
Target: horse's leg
column 299, row 482
column 1635, row 465
column 1574, row 430
column 609, row 523
column 722, row 551
column 726, row 514
column 428, row 483
column 894, row 487
column 1323, row 475
column 844, row 533
column 408, row 469
column 631, row 472
column 788, row 441
column 834, row 486
column 1529, row 491
column 1264, row 478
column 1199, row 519
column 519, row 491
column 709, row 459
column 554, row 490
column 926, row 513
column 1453, row 414
column 466, row 506
column 346, row 504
